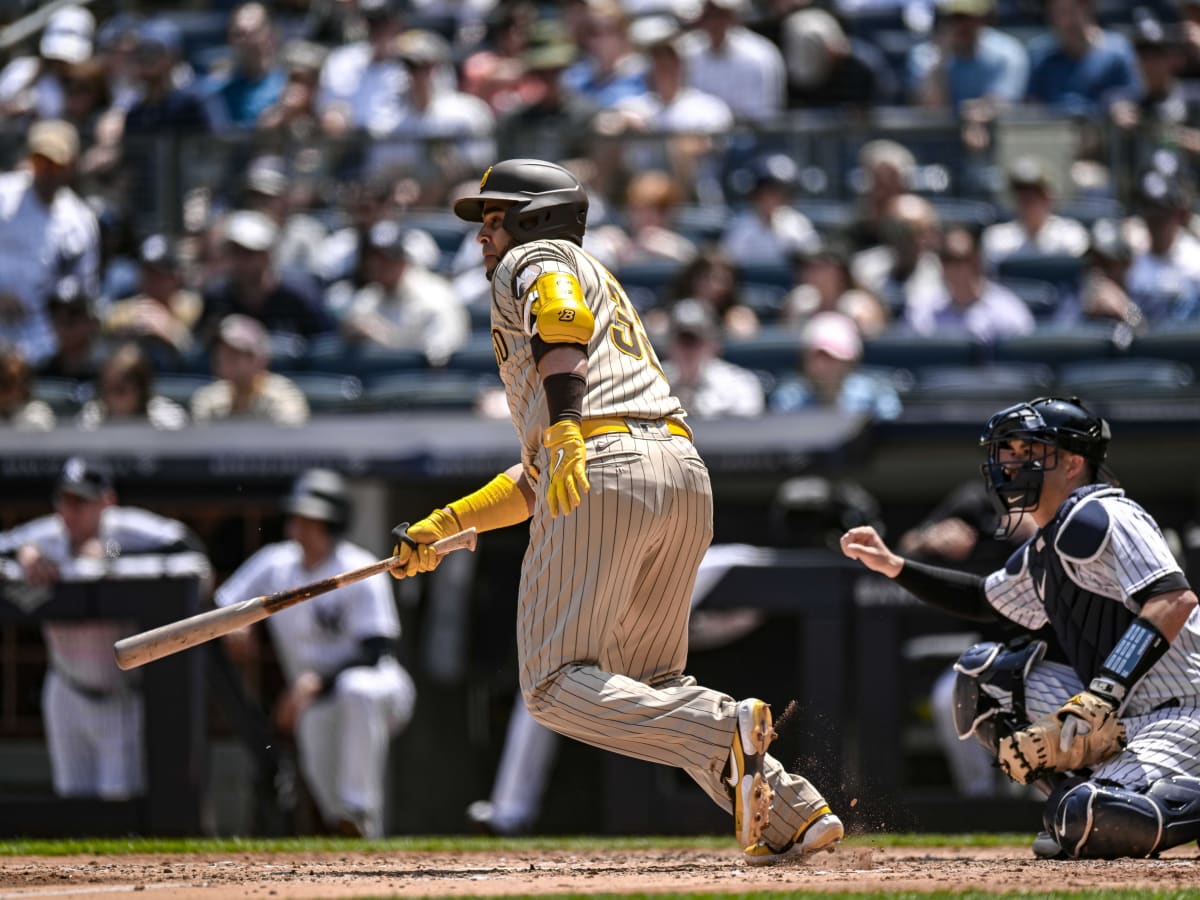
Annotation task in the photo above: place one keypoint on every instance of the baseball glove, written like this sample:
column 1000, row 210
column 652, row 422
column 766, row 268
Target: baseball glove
column 1084, row 731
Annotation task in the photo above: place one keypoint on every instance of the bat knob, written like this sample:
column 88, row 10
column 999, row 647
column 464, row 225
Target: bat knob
column 400, row 533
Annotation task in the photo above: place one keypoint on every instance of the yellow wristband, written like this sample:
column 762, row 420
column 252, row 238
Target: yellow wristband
column 497, row 504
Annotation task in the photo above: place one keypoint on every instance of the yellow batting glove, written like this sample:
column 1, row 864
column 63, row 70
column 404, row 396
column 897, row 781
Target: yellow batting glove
column 422, row 558
column 566, row 474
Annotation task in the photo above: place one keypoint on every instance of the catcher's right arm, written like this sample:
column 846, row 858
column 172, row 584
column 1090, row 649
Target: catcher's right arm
column 1082, row 732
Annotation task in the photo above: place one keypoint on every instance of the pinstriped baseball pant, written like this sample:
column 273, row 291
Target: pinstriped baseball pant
column 602, row 620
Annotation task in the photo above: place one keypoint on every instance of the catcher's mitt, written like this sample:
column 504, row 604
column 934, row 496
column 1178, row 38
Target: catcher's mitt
column 1084, row 731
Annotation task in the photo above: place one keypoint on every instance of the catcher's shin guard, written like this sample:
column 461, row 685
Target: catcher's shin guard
column 1097, row 821
column 989, row 692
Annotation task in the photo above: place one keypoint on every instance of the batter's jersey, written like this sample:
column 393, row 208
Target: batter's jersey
column 624, row 375
column 1109, row 551
column 82, row 651
column 325, row 633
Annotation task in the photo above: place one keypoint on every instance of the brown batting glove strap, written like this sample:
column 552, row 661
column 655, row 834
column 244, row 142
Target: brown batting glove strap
column 1058, row 744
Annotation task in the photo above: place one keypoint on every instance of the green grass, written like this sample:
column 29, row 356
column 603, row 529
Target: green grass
column 452, row 844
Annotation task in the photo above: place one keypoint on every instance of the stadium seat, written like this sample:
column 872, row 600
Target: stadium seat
column 903, row 350
column 332, row 354
column 999, row 382
column 1065, row 272
column 477, row 355
column 328, row 391
column 1090, row 209
column 964, row 211
column 1181, row 343
column 425, row 390
column 701, row 224
column 647, row 283
column 774, row 350
column 829, row 216
column 1125, row 378
column 1040, row 296
column 1057, row 346
column 64, row 395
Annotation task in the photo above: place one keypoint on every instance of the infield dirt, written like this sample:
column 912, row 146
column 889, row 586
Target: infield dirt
column 406, row 874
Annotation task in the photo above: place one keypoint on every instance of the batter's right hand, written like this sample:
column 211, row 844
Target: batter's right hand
column 415, row 550
column 864, row 544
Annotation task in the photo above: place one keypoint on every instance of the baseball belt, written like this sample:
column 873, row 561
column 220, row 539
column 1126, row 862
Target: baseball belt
column 612, row 425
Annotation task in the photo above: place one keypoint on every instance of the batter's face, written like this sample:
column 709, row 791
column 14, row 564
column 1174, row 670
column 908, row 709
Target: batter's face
column 494, row 241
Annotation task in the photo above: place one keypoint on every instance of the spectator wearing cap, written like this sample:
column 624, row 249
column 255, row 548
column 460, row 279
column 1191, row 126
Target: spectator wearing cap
column 254, row 80
column 886, row 170
column 286, row 302
column 163, row 314
column 34, row 85
column 668, row 105
column 824, row 283
column 829, row 374
column 404, row 305
column 906, row 262
column 271, row 188
column 124, row 392
column 244, row 387
column 1078, row 65
column 162, row 107
column 47, row 232
column 728, row 60
column 609, row 70
column 967, row 302
column 362, row 84
column 459, row 125
column 19, row 409
column 553, row 122
column 1160, row 97
column 493, row 71
column 1164, row 278
column 1036, row 230
column 295, row 115
column 1102, row 294
column 967, row 62
column 769, row 229
column 92, row 711
column 706, row 385
column 828, row 68
column 76, row 325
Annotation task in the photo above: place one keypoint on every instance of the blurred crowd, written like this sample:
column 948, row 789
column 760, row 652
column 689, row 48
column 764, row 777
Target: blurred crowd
column 222, row 211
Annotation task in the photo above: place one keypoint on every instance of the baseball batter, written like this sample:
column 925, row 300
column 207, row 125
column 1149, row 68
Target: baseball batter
column 92, row 711
column 621, row 515
column 347, row 693
column 1114, row 737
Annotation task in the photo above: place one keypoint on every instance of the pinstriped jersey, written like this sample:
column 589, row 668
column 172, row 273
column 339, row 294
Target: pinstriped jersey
column 1087, row 573
column 624, row 376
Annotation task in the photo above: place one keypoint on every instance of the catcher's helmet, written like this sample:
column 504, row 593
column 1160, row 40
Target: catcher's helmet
column 320, row 494
column 1057, row 423
column 550, row 201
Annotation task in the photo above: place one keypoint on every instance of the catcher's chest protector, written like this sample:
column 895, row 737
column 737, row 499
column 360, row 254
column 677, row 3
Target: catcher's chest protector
column 1088, row 625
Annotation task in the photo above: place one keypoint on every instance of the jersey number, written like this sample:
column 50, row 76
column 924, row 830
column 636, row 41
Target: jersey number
column 626, row 332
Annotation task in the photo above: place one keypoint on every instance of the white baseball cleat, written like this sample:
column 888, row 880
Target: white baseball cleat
column 821, row 833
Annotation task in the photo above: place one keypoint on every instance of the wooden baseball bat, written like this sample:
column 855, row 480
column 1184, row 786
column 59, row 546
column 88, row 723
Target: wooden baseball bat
column 147, row 646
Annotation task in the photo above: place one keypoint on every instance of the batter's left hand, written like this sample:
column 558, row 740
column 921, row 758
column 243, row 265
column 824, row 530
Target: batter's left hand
column 566, row 474
column 422, row 557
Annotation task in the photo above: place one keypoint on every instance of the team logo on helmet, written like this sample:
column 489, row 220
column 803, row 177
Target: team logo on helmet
column 483, row 180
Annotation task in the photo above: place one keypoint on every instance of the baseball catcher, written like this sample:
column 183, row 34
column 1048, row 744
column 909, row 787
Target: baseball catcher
column 1113, row 738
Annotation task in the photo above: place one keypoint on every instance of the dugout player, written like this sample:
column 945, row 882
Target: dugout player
column 347, row 695
column 621, row 512
column 92, row 711
column 1113, row 737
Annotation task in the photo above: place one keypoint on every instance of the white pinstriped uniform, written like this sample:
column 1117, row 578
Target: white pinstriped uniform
column 1162, row 741
column 343, row 737
column 605, row 592
column 92, row 711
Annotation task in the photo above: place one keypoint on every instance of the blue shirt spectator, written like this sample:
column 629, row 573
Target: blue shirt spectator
column 255, row 81
column 967, row 60
column 1079, row 65
column 831, row 350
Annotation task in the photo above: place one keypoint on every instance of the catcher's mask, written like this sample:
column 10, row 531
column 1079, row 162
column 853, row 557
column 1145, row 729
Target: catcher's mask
column 549, row 202
column 1047, row 424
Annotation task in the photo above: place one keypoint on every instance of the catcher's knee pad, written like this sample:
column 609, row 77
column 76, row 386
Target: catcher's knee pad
column 989, row 692
column 1098, row 821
